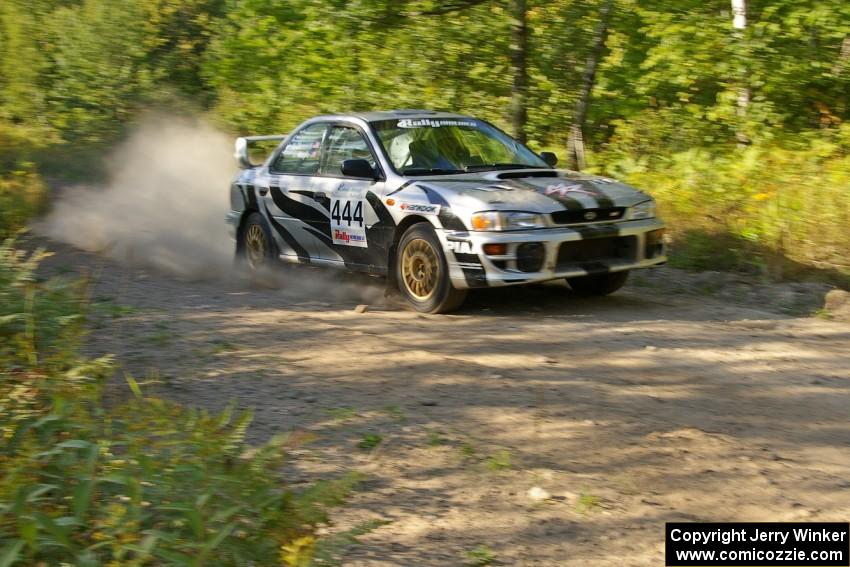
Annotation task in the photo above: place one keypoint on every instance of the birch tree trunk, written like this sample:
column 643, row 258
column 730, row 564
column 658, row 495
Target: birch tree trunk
column 739, row 23
column 575, row 145
column 519, row 63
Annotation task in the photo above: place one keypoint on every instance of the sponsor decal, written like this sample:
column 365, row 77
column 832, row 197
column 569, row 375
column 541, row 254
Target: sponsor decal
column 346, row 238
column 431, row 123
column 563, row 189
column 425, row 209
column 460, row 246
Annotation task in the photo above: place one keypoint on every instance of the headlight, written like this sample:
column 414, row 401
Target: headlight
column 507, row 220
column 645, row 210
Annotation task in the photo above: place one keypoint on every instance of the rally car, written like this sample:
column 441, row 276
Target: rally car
column 439, row 203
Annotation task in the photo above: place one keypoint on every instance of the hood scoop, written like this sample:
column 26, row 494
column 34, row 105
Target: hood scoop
column 521, row 174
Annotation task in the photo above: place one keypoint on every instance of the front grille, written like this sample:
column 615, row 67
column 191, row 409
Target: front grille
column 588, row 215
column 594, row 253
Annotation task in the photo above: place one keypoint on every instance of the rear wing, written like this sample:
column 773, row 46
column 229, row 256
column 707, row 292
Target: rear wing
column 243, row 143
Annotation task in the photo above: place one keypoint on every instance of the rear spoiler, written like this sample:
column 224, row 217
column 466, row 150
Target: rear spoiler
column 242, row 144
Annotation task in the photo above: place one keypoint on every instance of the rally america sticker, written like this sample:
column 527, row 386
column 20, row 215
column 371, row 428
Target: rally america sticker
column 349, row 238
column 420, row 208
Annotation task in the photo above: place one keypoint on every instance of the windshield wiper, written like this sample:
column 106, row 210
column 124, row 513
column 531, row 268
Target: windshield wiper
column 429, row 171
column 486, row 166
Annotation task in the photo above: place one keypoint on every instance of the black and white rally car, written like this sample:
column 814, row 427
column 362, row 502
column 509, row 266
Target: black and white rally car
column 439, row 203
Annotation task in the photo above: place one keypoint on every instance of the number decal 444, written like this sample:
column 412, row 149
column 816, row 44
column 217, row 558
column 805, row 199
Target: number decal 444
column 351, row 218
column 347, row 228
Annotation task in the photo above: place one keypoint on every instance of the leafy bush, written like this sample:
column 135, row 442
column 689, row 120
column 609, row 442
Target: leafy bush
column 144, row 482
column 22, row 191
column 759, row 205
column 22, row 196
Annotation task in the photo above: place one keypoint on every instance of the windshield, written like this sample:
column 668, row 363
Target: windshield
column 439, row 146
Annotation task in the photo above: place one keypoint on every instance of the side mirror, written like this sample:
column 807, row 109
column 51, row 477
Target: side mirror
column 358, row 168
column 550, row 158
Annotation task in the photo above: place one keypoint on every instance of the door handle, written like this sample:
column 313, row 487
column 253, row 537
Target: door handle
column 263, row 191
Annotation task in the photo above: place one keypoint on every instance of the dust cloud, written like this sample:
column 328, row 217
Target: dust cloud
column 164, row 208
column 164, row 205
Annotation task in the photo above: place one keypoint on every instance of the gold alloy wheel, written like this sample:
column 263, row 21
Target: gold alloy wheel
column 420, row 269
column 255, row 246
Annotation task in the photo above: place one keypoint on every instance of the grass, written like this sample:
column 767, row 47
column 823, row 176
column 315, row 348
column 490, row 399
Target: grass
column 162, row 335
column 437, row 439
column 395, row 412
column 588, row 502
column 500, row 460
column 343, row 413
column 370, row 441
column 823, row 313
column 221, row 346
column 107, row 308
column 479, row 556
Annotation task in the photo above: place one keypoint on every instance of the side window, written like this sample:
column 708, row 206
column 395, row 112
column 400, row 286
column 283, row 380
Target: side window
column 345, row 142
column 302, row 153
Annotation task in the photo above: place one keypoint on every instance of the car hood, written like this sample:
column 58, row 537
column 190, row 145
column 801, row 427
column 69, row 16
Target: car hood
column 542, row 191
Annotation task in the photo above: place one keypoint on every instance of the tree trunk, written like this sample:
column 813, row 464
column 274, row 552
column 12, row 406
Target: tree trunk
column 575, row 148
column 739, row 23
column 519, row 63
column 843, row 56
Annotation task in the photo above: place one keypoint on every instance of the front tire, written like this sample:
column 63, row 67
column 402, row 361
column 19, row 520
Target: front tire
column 598, row 284
column 422, row 273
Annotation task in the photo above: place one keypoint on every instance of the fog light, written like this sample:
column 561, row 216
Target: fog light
column 495, row 249
column 654, row 244
column 530, row 256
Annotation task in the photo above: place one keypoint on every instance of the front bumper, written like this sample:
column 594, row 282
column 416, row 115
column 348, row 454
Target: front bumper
column 552, row 253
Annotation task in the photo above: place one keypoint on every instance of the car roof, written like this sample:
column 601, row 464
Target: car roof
column 377, row 115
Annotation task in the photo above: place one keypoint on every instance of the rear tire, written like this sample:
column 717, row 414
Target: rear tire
column 422, row 273
column 256, row 252
column 598, row 284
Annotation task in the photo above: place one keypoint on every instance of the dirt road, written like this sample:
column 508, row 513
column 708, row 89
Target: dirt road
column 657, row 404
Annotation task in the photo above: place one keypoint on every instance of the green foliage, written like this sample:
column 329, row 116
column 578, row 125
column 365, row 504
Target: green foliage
column 437, row 439
column 344, row 413
column 22, row 196
column 588, row 502
column 479, row 556
column 22, row 191
column 751, row 207
column 143, row 482
column 499, row 460
column 370, row 441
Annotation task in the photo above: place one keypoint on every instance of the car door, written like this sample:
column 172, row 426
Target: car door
column 294, row 215
column 357, row 221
